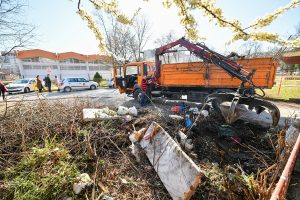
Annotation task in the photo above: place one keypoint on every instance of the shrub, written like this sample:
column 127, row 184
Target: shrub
column 97, row 77
column 104, row 84
column 45, row 173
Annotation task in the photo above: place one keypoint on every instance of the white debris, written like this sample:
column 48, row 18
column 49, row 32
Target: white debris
column 194, row 110
column 136, row 150
column 204, row 113
column 122, row 110
column 184, row 142
column 136, row 136
column 292, row 133
column 82, row 181
column 104, row 113
column 133, row 111
column 127, row 118
column 176, row 117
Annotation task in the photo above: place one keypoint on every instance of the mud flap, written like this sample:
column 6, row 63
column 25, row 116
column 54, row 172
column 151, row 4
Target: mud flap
column 253, row 103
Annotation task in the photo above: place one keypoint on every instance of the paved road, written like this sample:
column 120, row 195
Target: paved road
column 113, row 97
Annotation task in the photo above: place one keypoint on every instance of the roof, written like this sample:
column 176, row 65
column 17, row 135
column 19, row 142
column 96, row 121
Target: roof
column 291, row 57
column 291, row 54
column 61, row 56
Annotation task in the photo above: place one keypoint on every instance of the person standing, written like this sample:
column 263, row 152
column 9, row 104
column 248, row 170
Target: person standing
column 3, row 89
column 48, row 82
column 143, row 96
column 39, row 84
column 56, row 81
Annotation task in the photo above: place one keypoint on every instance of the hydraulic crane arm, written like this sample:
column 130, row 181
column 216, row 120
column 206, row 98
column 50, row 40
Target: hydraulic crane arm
column 208, row 56
column 232, row 68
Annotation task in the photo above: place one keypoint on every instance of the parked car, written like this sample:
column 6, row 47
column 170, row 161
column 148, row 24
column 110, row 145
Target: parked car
column 22, row 85
column 75, row 83
column 111, row 83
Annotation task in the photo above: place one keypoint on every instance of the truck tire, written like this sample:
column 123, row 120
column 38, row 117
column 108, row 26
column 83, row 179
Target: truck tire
column 136, row 93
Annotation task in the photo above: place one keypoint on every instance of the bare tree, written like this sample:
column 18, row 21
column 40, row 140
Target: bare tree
column 124, row 41
column 166, row 39
column 14, row 32
column 140, row 37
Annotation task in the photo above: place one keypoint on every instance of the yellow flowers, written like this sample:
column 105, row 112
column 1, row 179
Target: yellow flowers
column 112, row 7
column 208, row 9
column 269, row 18
column 92, row 25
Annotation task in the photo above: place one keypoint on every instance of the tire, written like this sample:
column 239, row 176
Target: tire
column 93, row 87
column 136, row 93
column 26, row 90
column 67, row 89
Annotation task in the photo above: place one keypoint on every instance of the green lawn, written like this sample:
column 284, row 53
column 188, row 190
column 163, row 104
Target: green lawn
column 289, row 89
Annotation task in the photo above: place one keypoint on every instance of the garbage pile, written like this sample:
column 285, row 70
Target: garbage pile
column 115, row 148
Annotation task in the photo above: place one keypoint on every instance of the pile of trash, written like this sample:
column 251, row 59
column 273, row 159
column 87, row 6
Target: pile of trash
column 159, row 152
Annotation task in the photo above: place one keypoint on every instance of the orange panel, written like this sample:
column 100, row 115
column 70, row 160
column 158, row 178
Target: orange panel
column 208, row 75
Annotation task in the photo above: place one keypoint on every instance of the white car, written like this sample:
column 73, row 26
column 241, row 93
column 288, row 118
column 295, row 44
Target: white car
column 22, row 85
column 69, row 84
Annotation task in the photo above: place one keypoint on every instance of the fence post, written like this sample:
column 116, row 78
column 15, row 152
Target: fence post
column 280, row 85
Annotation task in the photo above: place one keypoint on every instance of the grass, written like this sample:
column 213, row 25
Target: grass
column 285, row 93
column 45, row 173
column 289, row 89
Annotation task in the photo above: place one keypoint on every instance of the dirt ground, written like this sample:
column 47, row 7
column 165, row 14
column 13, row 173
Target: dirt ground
column 231, row 156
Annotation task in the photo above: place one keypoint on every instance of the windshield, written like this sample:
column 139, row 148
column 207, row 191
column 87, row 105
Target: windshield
column 131, row 70
column 21, row 81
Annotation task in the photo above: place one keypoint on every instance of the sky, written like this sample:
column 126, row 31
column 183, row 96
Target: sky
column 60, row 28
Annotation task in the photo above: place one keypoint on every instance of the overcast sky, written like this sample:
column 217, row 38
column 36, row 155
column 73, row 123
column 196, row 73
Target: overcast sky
column 60, row 28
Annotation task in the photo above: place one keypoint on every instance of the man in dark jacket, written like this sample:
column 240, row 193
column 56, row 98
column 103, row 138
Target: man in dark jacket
column 48, row 82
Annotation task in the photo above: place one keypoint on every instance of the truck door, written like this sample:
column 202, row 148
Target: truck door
column 119, row 78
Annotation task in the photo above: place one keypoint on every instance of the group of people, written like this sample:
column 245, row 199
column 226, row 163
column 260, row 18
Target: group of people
column 48, row 83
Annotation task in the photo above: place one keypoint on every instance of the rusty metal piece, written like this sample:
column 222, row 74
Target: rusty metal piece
column 283, row 183
column 257, row 104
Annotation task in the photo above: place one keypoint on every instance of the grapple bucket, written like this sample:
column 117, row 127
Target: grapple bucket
column 259, row 105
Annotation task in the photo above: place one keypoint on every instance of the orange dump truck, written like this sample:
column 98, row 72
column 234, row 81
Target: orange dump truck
column 194, row 79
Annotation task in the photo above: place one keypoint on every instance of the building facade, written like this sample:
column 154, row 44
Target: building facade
column 30, row 63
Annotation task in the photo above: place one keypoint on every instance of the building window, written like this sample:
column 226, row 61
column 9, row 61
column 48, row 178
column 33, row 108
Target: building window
column 72, row 60
column 27, row 67
column 95, row 68
column 37, row 59
column 73, row 67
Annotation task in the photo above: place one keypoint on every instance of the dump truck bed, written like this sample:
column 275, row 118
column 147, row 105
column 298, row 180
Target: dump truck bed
column 195, row 74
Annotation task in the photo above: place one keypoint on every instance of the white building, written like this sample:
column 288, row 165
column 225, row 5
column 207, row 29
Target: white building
column 30, row 63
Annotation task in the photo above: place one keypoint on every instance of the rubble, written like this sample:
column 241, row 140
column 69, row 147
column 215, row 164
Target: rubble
column 83, row 181
column 230, row 168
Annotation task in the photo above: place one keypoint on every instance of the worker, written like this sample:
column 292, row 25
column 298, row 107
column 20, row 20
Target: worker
column 142, row 98
column 148, row 87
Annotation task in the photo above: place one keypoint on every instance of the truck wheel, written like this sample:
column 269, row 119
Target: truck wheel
column 136, row 93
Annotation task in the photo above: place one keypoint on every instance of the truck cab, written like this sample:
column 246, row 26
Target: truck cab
column 128, row 77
